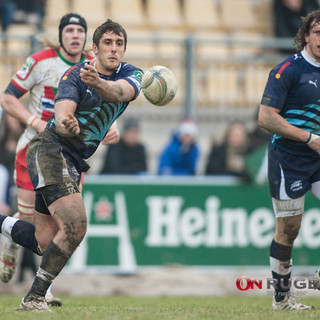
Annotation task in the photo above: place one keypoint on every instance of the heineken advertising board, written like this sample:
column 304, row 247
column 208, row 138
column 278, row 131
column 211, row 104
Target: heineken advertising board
column 157, row 221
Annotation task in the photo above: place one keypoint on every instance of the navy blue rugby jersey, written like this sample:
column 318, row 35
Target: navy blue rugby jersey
column 95, row 115
column 293, row 87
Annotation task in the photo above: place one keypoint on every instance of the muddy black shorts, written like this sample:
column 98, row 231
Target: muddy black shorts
column 54, row 170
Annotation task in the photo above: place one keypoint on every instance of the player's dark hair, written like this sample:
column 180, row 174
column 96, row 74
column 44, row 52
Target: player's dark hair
column 109, row 26
column 307, row 24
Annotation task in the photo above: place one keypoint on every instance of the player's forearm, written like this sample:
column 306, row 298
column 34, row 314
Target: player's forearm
column 14, row 107
column 66, row 124
column 113, row 91
column 272, row 121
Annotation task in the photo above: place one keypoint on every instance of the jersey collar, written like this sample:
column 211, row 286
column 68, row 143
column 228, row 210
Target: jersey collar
column 308, row 58
column 68, row 62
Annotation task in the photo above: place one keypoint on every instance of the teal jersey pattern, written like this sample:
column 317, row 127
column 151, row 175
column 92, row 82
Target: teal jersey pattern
column 95, row 115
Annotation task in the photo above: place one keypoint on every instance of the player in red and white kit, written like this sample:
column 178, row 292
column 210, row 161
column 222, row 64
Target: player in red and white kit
column 40, row 75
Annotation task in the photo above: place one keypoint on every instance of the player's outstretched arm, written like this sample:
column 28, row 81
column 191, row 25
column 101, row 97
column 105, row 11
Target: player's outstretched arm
column 111, row 91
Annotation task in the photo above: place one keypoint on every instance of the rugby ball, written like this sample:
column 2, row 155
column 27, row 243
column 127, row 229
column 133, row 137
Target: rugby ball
column 159, row 85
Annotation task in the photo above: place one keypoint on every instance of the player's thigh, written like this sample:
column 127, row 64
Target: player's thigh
column 289, row 175
column 22, row 178
column 63, row 201
column 50, row 163
column 68, row 209
column 289, row 207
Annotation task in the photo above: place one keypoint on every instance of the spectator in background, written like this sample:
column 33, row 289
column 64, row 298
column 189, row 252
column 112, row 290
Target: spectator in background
column 7, row 11
column 180, row 157
column 5, row 199
column 31, row 12
column 257, row 157
column 129, row 155
column 258, row 137
column 228, row 158
column 287, row 18
column 11, row 130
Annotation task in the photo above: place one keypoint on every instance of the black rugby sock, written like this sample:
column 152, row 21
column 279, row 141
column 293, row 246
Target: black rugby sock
column 21, row 232
column 51, row 265
column 281, row 265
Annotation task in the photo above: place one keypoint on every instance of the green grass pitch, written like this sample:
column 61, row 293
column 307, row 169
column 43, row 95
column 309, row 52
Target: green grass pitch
column 154, row 308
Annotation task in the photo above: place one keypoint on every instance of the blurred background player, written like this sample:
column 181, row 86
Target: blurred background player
column 39, row 75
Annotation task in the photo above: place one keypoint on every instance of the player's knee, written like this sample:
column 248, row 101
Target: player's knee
column 291, row 231
column 82, row 230
column 75, row 232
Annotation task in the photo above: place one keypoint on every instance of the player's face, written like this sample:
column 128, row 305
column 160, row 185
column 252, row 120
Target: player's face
column 73, row 39
column 313, row 42
column 110, row 52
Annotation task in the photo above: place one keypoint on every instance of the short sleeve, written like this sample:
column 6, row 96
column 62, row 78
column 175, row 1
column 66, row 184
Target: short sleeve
column 70, row 85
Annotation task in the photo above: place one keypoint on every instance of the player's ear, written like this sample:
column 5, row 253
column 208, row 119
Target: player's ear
column 94, row 48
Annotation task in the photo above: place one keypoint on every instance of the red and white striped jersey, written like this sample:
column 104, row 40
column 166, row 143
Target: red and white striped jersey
column 40, row 75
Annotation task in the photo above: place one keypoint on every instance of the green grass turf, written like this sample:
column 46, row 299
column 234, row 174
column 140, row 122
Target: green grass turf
column 166, row 308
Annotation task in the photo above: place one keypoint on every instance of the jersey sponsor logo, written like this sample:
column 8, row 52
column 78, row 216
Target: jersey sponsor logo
column 136, row 78
column 278, row 75
column 296, row 186
column 314, row 83
column 138, row 74
column 24, row 71
column 90, row 92
column 296, row 56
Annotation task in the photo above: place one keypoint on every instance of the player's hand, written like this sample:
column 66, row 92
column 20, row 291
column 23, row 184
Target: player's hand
column 112, row 137
column 89, row 74
column 41, row 125
column 71, row 124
